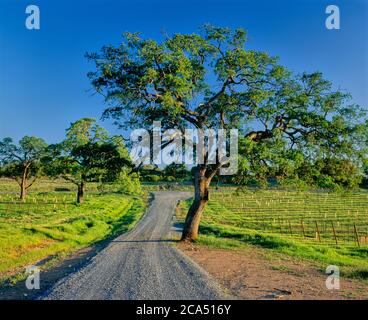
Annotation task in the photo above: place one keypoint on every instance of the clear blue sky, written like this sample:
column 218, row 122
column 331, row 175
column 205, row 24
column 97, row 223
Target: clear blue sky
column 43, row 83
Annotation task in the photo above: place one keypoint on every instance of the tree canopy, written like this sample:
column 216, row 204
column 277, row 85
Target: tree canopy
column 22, row 162
column 88, row 154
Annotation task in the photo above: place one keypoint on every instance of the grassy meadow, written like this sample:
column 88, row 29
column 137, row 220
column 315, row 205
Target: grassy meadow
column 327, row 228
column 50, row 223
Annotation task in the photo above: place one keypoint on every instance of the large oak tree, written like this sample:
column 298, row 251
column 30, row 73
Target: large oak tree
column 212, row 80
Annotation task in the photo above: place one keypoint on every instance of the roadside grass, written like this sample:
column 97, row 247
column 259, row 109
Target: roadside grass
column 224, row 229
column 50, row 225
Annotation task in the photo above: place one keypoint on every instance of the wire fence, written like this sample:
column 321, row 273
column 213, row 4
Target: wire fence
column 317, row 217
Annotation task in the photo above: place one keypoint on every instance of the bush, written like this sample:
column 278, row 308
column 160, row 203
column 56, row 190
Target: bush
column 153, row 178
column 128, row 183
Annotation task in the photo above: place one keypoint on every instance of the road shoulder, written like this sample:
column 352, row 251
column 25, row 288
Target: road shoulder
column 251, row 273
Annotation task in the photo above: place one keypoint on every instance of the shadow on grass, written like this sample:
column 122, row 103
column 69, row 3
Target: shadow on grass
column 254, row 239
column 324, row 254
column 359, row 274
column 49, row 277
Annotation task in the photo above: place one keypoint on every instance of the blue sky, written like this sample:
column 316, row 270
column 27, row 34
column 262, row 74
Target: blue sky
column 43, row 83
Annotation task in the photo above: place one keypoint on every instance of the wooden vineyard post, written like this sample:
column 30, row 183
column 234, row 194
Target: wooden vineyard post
column 356, row 235
column 302, row 223
column 291, row 232
column 280, row 226
column 318, row 234
column 334, row 232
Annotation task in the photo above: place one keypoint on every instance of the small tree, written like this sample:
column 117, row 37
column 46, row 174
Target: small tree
column 87, row 154
column 23, row 162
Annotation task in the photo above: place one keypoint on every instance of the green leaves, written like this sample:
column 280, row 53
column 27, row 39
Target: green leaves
column 88, row 154
column 23, row 161
column 211, row 80
column 84, row 131
column 29, row 149
column 175, row 77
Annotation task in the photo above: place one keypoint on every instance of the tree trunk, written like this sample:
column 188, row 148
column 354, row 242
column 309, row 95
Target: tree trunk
column 201, row 197
column 80, row 194
column 23, row 189
column 23, row 185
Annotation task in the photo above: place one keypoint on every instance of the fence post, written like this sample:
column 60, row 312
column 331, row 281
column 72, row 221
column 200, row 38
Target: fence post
column 291, row 232
column 280, row 225
column 318, row 234
column 302, row 222
column 333, row 229
column 356, row 235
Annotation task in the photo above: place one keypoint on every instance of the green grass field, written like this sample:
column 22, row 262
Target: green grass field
column 50, row 224
column 328, row 228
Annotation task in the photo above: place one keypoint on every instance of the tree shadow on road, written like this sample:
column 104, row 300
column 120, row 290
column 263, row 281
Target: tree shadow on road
column 149, row 241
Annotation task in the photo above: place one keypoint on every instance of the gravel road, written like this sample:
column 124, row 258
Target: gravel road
column 141, row 264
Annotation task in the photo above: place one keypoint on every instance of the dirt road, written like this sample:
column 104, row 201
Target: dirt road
column 140, row 265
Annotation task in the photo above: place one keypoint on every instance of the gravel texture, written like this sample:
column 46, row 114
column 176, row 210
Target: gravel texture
column 142, row 264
